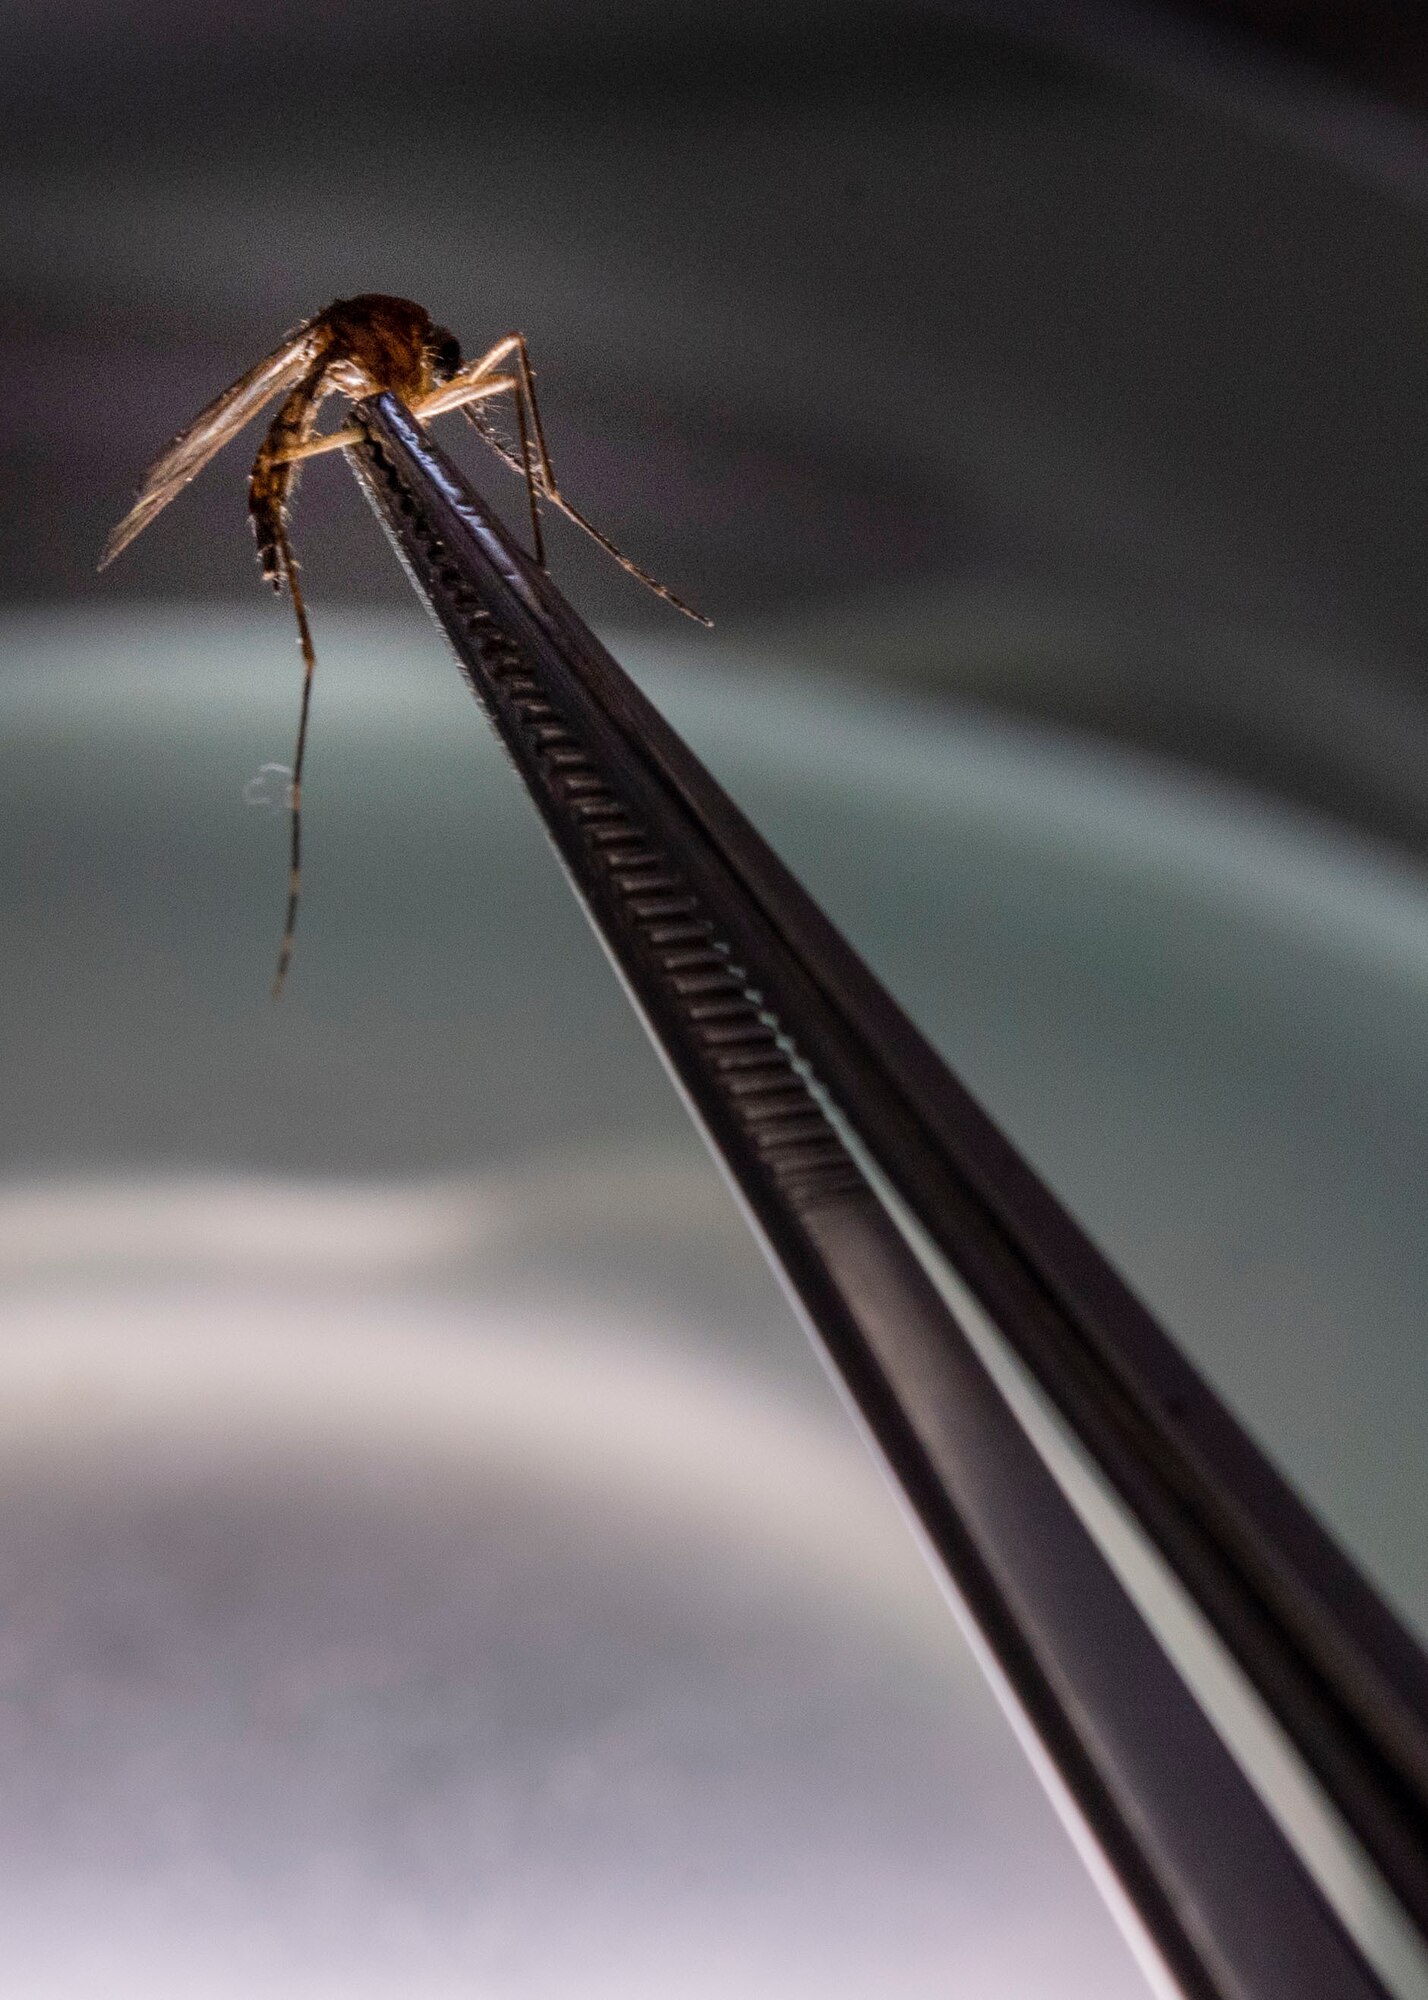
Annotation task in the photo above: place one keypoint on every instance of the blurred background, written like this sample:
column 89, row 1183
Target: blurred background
column 432, row 1560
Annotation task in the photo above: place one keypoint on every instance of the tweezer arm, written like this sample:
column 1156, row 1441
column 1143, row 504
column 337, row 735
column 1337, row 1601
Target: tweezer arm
column 1344, row 1680
column 746, row 991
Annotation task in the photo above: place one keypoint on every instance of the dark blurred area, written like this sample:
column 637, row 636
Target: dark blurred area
column 1383, row 43
column 1069, row 359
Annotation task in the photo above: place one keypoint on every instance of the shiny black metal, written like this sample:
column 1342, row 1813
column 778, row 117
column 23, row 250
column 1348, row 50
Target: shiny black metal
column 765, row 1016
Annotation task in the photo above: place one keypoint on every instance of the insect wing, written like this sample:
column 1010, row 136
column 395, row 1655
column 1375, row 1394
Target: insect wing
column 211, row 430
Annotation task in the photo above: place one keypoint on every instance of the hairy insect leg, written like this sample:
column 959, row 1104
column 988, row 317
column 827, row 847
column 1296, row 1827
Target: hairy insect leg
column 524, row 391
column 270, row 491
column 527, row 408
column 532, row 499
column 329, row 441
column 475, row 380
column 527, row 375
column 536, row 488
column 425, row 407
column 477, row 383
column 525, row 394
column 515, row 343
column 450, row 394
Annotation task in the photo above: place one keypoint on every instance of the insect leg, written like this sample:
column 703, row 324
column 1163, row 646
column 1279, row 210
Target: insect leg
column 449, row 394
column 527, row 375
column 477, row 383
column 525, row 393
column 537, row 533
column 270, row 491
column 479, row 375
column 525, row 465
column 524, row 388
column 329, row 441
column 461, row 389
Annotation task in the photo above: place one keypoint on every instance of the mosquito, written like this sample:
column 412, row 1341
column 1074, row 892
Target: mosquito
column 356, row 348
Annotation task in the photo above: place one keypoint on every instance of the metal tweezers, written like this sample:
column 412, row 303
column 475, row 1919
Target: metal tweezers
column 908, row 1231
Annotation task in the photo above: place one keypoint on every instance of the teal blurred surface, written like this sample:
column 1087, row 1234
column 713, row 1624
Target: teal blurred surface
column 429, row 1526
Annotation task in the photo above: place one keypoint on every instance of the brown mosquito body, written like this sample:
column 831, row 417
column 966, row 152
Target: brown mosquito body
column 355, row 348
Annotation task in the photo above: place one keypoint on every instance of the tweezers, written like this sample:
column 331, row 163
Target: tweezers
column 910, row 1233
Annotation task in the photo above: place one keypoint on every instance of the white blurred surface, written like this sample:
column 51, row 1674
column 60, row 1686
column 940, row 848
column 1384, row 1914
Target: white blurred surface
column 431, row 1560
column 358, row 1639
